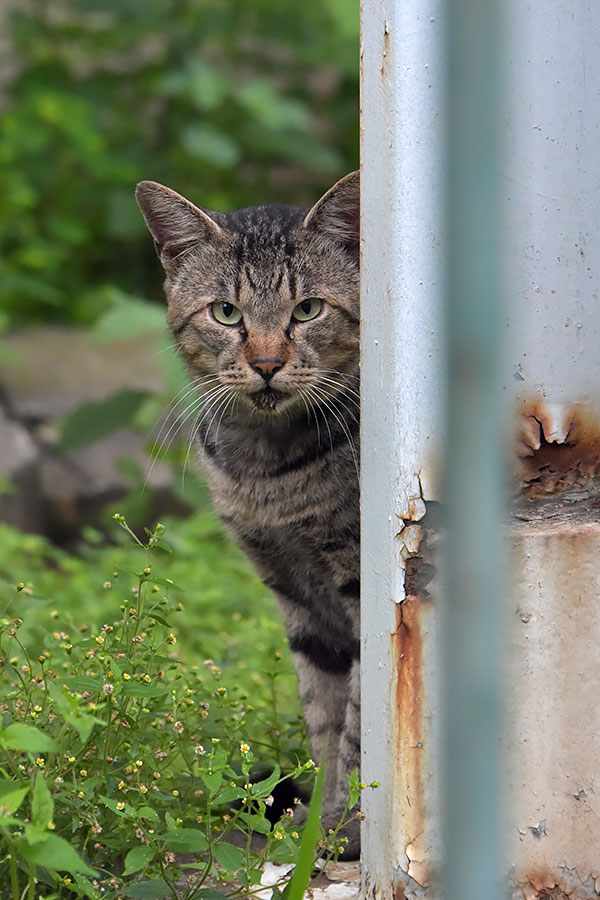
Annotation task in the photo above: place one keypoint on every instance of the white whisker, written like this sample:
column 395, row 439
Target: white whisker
column 316, row 405
column 344, row 427
column 212, row 400
column 308, row 415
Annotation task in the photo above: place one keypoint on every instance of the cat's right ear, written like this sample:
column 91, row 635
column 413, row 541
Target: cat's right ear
column 176, row 225
column 337, row 213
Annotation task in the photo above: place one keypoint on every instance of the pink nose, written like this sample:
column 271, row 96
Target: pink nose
column 267, row 367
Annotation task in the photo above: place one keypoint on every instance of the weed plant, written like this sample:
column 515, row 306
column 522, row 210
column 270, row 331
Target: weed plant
column 128, row 772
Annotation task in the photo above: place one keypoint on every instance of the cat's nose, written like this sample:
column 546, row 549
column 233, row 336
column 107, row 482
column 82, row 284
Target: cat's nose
column 267, row 367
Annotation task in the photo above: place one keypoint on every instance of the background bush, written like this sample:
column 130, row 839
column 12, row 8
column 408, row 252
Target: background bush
column 231, row 102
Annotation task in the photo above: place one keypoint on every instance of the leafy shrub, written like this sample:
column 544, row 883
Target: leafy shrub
column 232, row 103
column 125, row 771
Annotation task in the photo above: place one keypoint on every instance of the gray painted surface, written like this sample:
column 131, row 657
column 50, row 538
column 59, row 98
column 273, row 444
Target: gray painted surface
column 401, row 417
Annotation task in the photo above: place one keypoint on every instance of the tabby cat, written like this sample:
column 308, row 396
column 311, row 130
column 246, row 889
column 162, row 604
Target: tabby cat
column 264, row 307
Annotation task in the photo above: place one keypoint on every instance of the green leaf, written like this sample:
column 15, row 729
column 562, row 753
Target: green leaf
column 210, row 894
column 87, row 889
column 55, row 853
column 165, row 582
column 26, row 737
column 228, row 856
column 34, row 835
column 354, row 789
column 132, row 689
column 79, row 719
column 83, row 683
column 114, row 666
column 230, row 794
column 42, row 805
column 93, row 421
column 256, row 823
column 164, row 546
column 129, row 316
column 148, row 890
column 6, row 821
column 159, row 619
column 264, row 788
column 212, row 780
column 12, row 794
column 186, row 840
column 127, row 810
column 285, row 851
column 82, row 722
column 212, row 146
column 146, row 812
column 272, row 109
column 296, row 888
column 138, row 858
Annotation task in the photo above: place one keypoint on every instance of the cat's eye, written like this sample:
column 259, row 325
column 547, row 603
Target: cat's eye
column 307, row 309
column 226, row 313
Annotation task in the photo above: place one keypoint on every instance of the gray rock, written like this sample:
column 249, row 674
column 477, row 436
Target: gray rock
column 20, row 494
column 45, row 375
column 51, row 371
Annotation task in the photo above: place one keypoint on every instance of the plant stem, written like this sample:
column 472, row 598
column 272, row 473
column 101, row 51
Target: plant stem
column 31, row 892
column 14, row 876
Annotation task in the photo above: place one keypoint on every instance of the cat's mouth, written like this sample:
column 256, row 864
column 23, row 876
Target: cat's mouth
column 268, row 399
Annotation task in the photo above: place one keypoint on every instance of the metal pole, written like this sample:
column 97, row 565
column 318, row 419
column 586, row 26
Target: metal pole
column 551, row 186
column 474, row 484
column 402, row 353
column 546, row 183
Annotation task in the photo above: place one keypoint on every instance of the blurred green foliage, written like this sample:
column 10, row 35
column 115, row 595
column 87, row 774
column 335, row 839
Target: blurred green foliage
column 231, row 102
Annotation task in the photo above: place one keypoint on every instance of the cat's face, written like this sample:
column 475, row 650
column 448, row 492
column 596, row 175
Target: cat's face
column 264, row 302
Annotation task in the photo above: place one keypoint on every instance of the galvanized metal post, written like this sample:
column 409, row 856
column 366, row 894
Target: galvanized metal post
column 550, row 744
column 402, row 361
column 551, row 747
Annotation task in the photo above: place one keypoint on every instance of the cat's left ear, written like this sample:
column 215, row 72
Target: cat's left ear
column 337, row 213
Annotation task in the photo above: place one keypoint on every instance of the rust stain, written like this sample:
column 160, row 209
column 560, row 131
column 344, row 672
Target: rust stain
column 532, row 891
column 541, row 883
column 408, row 654
column 559, row 448
column 399, row 893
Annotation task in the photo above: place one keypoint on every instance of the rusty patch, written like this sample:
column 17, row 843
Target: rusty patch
column 399, row 893
column 408, row 653
column 408, row 639
column 559, row 448
column 531, row 892
column 543, row 884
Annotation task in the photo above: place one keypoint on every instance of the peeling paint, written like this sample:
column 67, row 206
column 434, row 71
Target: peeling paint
column 566, row 884
column 406, row 887
column 416, row 509
column 410, row 537
column 538, row 831
column 558, row 446
column 411, row 644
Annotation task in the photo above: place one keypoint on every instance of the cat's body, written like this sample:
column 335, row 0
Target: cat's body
column 264, row 306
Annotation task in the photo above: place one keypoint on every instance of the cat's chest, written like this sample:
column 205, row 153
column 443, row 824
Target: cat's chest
column 283, row 488
column 268, row 499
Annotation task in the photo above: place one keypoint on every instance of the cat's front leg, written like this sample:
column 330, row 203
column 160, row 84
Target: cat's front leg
column 330, row 701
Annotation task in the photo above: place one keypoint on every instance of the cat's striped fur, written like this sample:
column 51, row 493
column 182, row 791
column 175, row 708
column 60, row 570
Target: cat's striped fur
column 278, row 422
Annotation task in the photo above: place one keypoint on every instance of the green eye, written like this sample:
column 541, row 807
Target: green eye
column 226, row 313
column 307, row 309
